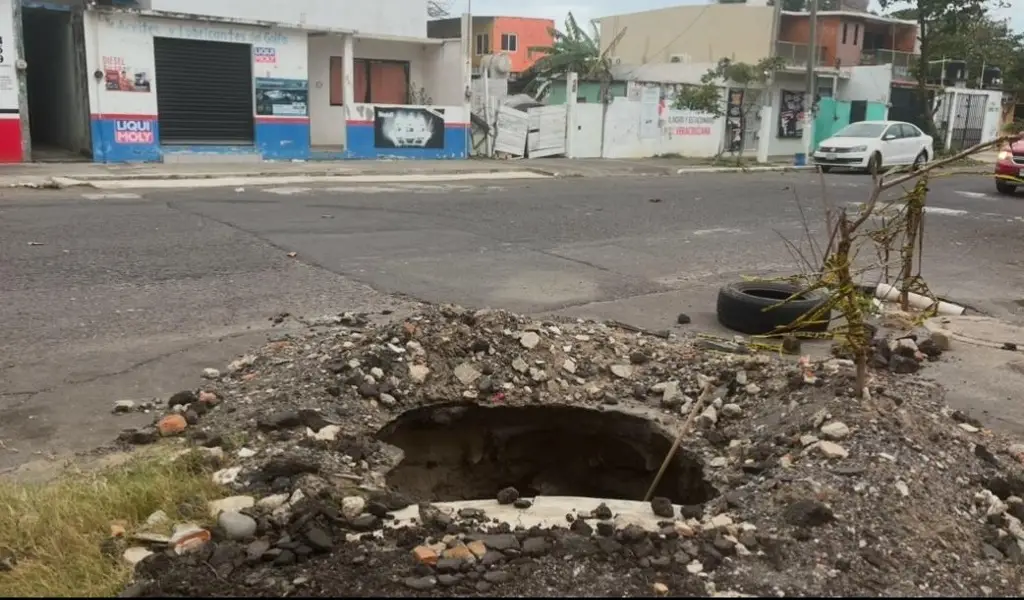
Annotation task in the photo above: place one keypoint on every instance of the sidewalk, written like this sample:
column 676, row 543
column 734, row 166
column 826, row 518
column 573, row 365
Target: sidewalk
column 60, row 175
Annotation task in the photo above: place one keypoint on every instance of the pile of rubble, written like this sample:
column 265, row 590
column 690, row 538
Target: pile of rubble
column 787, row 484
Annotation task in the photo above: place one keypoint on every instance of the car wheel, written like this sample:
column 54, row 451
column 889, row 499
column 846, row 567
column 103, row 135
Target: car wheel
column 875, row 163
column 741, row 307
column 1005, row 188
column 826, row 169
column 920, row 160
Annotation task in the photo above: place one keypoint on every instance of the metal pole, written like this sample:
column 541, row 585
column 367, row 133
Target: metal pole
column 812, row 62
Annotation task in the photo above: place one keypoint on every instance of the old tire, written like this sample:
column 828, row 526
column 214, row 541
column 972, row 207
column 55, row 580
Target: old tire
column 741, row 307
column 875, row 163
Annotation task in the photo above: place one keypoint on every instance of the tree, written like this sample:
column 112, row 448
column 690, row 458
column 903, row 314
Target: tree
column 935, row 19
column 574, row 50
column 707, row 96
column 438, row 8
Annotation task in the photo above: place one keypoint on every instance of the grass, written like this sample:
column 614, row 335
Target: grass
column 58, row 531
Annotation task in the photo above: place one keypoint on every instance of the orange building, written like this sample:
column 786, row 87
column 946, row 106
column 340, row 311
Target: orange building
column 513, row 36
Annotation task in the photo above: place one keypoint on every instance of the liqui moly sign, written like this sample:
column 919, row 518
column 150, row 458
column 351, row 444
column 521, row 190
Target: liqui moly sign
column 133, row 131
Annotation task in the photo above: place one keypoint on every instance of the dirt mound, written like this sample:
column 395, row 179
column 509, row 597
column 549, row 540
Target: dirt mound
column 787, row 485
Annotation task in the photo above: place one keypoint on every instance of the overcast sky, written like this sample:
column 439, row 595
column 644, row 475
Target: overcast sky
column 584, row 10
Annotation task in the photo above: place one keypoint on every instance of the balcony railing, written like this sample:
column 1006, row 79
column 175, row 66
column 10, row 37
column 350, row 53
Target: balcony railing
column 901, row 62
column 797, row 55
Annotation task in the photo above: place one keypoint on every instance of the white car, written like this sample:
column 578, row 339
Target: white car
column 871, row 145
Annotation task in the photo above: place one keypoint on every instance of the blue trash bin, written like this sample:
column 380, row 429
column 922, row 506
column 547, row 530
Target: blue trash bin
column 799, row 159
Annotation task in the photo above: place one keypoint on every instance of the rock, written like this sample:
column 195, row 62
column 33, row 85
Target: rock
column 732, row 411
column 708, row 418
column 569, row 366
column 273, row 502
column 236, row 526
column 529, row 340
column 670, row 394
column 1017, row 452
column 420, row 584
column 124, row 406
column 230, row 504
column 718, row 462
column 478, row 548
column 145, row 435
column 790, row 344
column 683, row 319
column 282, row 419
column 418, row 373
column 319, row 539
column 662, row 507
column 171, row 425
column 639, row 358
column 808, row 513
column 903, row 364
column 365, row 522
column 535, row 546
column 352, row 506
column 183, row 398
column 257, row 549
column 622, row 371
column 832, row 450
column 508, row 495
column 497, row 577
column 479, row 345
column 449, row 565
column 209, row 398
column 492, row 557
column 836, row 430
column 501, row 541
column 520, row 365
column 136, row 554
column 602, row 512
column 211, row 373
column 941, row 340
column 522, row 503
column 461, row 553
column 969, row 428
column 466, row 374
column 425, row 555
column 695, row 567
column 902, row 488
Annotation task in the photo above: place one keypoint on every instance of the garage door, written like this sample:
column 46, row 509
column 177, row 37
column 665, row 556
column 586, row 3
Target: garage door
column 204, row 91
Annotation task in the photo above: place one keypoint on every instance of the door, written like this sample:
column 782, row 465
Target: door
column 510, row 130
column 586, row 141
column 893, row 151
column 911, row 140
column 858, row 111
column 204, row 92
column 547, row 131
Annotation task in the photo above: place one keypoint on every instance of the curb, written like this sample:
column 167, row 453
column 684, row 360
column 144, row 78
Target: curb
column 766, row 169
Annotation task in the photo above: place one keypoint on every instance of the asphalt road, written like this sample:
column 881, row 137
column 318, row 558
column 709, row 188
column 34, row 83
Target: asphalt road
column 124, row 296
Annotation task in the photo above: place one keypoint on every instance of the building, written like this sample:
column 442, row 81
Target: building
column 207, row 80
column 513, row 36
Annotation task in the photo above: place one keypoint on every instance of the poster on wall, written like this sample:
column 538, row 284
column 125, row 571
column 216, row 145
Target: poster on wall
column 408, row 127
column 277, row 97
column 791, row 115
column 118, row 76
column 8, row 76
column 650, row 112
column 734, row 120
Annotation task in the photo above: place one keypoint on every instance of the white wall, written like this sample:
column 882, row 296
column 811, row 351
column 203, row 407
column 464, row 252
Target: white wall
column 443, row 73
column 327, row 123
column 633, row 131
column 870, row 83
column 391, row 17
column 130, row 38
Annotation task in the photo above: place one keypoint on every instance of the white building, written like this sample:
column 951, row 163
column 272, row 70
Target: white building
column 184, row 80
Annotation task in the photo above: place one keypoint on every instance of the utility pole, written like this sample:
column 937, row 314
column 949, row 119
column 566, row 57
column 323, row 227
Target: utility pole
column 812, row 88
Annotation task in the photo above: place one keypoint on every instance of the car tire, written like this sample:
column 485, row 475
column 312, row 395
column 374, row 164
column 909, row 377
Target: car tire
column 741, row 307
column 825, row 169
column 875, row 163
column 920, row 160
column 1005, row 188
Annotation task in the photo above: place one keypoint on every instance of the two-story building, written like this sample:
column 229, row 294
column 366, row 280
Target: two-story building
column 512, row 36
column 207, row 80
column 860, row 57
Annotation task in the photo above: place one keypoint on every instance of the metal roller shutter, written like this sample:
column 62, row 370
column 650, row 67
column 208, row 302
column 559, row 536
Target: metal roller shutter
column 204, row 91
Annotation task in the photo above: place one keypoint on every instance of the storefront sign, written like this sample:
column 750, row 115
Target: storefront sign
column 408, row 127
column 263, row 54
column 282, row 97
column 133, row 131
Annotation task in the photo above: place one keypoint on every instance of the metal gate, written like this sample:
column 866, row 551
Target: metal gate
column 967, row 121
column 204, row 91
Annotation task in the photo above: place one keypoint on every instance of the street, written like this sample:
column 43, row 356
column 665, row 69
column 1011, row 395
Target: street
column 130, row 294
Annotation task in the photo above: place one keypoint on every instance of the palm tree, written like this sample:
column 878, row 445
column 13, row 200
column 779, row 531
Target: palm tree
column 574, row 50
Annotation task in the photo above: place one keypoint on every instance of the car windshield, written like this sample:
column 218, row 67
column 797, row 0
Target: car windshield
column 862, row 130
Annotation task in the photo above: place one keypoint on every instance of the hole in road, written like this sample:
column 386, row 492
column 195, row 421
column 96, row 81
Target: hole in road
column 460, row 452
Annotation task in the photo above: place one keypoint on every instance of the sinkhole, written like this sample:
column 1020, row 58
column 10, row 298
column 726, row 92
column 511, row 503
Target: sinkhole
column 468, row 452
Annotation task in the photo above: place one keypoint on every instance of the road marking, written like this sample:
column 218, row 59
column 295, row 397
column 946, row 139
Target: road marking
column 288, row 191
column 235, row 181
column 717, row 230
column 975, row 195
column 938, row 210
column 112, row 196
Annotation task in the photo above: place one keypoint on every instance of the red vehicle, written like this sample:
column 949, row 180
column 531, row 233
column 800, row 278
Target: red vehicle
column 1010, row 168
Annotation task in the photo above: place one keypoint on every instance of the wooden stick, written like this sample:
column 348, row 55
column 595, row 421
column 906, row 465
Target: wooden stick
column 698, row 407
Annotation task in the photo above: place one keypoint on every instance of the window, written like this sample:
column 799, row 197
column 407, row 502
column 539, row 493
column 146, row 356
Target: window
column 909, row 131
column 856, row 32
column 373, row 81
column 845, row 26
column 483, row 44
column 509, row 42
column 893, row 131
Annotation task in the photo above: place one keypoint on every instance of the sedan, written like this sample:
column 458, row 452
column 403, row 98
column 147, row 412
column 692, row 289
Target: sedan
column 875, row 145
